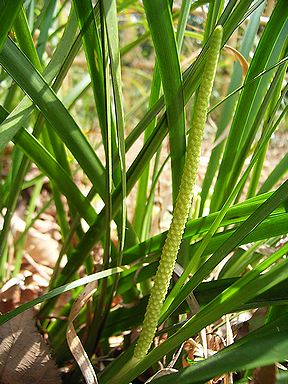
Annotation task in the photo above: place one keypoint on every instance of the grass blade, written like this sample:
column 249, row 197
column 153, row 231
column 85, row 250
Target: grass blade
column 160, row 22
column 227, row 111
column 56, row 173
column 45, row 98
column 264, row 346
column 244, row 289
column 274, row 36
column 242, row 231
column 58, row 291
column 115, row 66
column 279, row 171
column 8, row 12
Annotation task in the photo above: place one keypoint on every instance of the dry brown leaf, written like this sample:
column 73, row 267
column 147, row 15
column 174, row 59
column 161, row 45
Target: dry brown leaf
column 24, row 355
column 20, row 289
column 10, row 294
column 238, row 55
column 265, row 375
column 73, row 340
column 42, row 247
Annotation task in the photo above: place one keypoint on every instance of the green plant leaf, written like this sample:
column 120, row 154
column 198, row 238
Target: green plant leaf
column 232, row 241
column 8, row 12
column 265, row 346
column 274, row 36
column 279, row 171
column 56, row 173
column 228, row 107
column 54, row 111
column 249, row 286
column 160, row 23
column 58, row 291
column 115, row 68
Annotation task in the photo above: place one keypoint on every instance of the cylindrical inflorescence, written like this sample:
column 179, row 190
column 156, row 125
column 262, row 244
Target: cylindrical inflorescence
column 182, row 206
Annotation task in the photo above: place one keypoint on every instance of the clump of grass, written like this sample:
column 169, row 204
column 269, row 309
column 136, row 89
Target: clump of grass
column 35, row 59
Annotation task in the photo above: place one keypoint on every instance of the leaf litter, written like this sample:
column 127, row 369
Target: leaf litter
column 24, row 354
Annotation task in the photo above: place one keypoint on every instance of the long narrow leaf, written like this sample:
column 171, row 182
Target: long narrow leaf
column 51, row 168
column 264, row 346
column 274, row 36
column 45, row 98
column 160, row 22
column 8, row 12
column 58, row 291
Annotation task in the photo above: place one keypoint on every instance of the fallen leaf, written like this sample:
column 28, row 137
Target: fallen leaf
column 24, row 355
column 42, row 247
column 20, row 289
column 264, row 375
column 10, row 294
